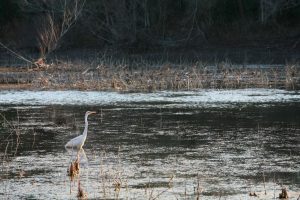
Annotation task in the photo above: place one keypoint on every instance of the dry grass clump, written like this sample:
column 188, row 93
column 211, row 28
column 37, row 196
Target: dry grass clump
column 283, row 194
column 74, row 168
column 292, row 77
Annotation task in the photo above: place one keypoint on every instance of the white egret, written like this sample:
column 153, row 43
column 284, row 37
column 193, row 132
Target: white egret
column 78, row 142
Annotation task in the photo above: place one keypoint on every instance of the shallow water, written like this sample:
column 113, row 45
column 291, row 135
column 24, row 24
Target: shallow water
column 166, row 145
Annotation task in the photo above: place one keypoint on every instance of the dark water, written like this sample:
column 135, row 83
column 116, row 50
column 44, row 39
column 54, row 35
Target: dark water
column 153, row 149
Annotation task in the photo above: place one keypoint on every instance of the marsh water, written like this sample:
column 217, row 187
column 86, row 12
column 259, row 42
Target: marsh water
column 212, row 144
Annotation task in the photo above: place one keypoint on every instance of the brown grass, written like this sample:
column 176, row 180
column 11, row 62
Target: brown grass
column 149, row 77
column 74, row 168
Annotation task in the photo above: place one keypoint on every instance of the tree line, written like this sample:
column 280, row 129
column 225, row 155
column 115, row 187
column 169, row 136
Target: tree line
column 147, row 23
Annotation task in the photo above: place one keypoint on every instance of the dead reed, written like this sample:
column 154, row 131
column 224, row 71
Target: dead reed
column 170, row 77
column 292, row 77
column 13, row 139
column 111, row 177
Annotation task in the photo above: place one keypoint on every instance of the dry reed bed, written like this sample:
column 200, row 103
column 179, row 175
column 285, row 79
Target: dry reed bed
column 152, row 77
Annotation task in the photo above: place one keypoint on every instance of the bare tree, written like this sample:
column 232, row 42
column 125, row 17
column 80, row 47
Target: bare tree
column 56, row 23
column 55, row 19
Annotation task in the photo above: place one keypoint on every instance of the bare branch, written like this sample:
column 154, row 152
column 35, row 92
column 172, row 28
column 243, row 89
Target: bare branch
column 54, row 28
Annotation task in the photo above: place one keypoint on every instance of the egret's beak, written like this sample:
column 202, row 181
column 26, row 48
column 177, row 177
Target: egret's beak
column 92, row 112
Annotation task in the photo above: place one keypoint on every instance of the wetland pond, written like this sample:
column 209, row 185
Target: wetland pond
column 212, row 144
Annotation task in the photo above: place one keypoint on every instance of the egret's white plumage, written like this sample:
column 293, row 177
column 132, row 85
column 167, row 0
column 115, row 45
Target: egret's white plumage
column 78, row 141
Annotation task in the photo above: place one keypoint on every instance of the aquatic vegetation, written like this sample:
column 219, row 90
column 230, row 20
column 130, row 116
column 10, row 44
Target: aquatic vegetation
column 283, row 194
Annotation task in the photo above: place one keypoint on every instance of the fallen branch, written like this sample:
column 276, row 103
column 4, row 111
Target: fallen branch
column 17, row 55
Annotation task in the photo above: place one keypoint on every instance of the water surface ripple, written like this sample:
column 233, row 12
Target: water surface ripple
column 164, row 145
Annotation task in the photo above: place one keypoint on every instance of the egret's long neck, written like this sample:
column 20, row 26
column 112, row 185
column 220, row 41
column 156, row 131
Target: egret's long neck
column 86, row 126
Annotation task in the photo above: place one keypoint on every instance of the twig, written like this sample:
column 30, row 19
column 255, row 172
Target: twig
column 264, row 183
column 162, row 192
column 4, row 157
column 13, row 130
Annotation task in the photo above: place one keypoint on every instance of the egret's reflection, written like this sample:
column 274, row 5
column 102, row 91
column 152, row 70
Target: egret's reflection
column 78, row 154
